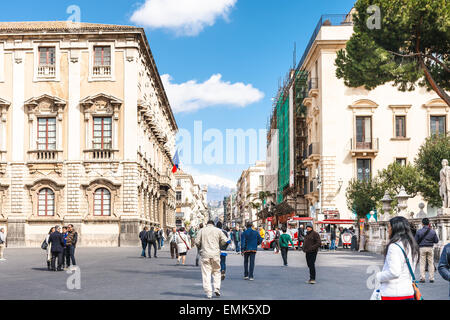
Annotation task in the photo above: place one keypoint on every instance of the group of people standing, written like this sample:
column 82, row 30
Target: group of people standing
column 60, row 247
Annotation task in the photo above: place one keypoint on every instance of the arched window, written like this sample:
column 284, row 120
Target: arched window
column 46, row 202
column 102, row 202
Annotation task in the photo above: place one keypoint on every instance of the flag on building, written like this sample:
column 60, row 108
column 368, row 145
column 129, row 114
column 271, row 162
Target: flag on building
column 176, row 162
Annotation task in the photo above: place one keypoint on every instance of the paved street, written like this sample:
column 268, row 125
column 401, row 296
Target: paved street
column 119, row 273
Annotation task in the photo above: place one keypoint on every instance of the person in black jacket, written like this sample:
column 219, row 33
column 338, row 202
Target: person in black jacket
column 426, row 238
column 300, row 236
column 151, row 239
column 143, row 237
column 57, row 241
column 311, row 248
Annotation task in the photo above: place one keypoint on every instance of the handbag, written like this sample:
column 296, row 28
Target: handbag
column 187, row 247
column 44, row 245
column 417, row 294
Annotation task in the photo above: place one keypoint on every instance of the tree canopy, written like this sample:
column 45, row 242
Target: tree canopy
column 411, row 46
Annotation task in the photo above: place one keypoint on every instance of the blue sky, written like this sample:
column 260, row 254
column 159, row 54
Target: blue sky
column 248, row 42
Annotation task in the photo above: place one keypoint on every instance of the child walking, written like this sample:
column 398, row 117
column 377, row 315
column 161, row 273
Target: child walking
column 285, row 238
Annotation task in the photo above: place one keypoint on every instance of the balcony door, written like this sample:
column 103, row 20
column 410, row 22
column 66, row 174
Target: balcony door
column 364, row 133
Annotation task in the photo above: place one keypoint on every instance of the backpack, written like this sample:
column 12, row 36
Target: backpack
column 225, row 246
column 150, row 236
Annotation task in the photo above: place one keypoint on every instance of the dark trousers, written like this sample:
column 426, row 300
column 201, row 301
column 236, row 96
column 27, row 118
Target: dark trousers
column 284, row 254
column 223, row 263
column 311, row 260
column 277, row 245
column 58, row 255
column 173, row 250
column 144, row 247
column 150, row 245
column 248, row 272
column 70, row 256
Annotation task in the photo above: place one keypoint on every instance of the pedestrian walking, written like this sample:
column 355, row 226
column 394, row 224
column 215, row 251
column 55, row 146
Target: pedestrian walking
column 143, row 238
column 426, row 238
column 2, row 244
column 209, row 240
column 182, row 240
column 250, row 241
column 444, row 264
column 197, row 257
column 340, row 233
column 311, row 247
column 192, row 234
column 223, row 252
column 300, row 236
column 71, row 243
column 151, row 242
column 161, row 237
column 401, row 256
column 277, row 240
column 173, row 243
column 158, row 237
column 333, row 238
column 284, row 241
column 235, row 237
column 56, row 240
column 46, row 245
column 64, row 235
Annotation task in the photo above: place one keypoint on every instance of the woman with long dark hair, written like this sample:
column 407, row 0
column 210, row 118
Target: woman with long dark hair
column 395, row 279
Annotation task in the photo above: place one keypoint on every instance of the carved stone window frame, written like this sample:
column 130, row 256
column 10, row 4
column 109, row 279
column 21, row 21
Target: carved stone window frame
column 45, row 106
column 57, row 46
column 89, row 190
column 101, row 105
column 4, row 106
column 33, row 190
column 400, row 110
column 436, row 107
column 3, row 190
column 2, row 62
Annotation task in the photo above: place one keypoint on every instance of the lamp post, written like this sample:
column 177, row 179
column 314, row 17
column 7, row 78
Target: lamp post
column 402, row 198
column 387, row 204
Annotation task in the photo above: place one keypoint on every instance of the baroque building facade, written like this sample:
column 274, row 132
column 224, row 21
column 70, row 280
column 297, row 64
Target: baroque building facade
column 86, row 133
column 191, row 201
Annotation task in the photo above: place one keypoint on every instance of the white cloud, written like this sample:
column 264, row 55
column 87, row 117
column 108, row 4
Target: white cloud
column 191, row 95
column 185, row 17
column 209, row 179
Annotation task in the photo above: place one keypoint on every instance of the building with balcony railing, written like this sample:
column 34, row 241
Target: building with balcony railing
column 87, row 134
column 352, row 133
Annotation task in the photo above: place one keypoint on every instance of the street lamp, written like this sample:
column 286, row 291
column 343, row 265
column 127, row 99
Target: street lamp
column 402, row 198
column 387, row 204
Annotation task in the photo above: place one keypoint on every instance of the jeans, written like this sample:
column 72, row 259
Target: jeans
column 236, row 244
column 223, row 263
column 284, row 254
column 311, row 260
column 248, row 272
column 162, row 242
column 144, row 247
column 150, row 245
column 70, row 256
column 333, row 245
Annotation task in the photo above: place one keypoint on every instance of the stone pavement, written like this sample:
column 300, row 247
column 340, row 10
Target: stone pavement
column 119, row 273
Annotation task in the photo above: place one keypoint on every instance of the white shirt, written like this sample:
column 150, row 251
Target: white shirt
column 2, row 237
column 395, row 278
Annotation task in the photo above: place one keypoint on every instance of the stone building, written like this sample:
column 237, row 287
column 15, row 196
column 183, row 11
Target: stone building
column 191, row 201
column 86, row 133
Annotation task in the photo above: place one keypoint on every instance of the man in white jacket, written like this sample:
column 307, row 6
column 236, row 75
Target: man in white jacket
column 209, row 240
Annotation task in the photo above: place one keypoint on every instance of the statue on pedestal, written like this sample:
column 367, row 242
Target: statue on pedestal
column 444, row 183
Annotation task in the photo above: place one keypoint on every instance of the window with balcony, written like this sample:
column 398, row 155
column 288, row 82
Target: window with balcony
column 438, row 125
column 46, row 139
column 102, row 61
column 400, row 126
column 102, row 202
column 364, row 132
column 178, row 196
column 363, row 169
column 47, row 62
column 46, row 202
column 102, row 135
